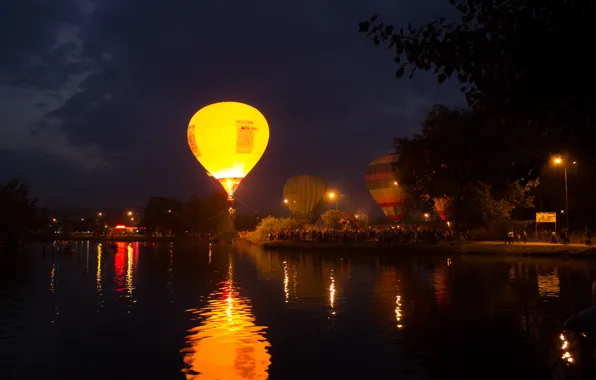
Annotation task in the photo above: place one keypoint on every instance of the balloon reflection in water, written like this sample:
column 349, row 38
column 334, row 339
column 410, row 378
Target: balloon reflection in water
column 228, row 344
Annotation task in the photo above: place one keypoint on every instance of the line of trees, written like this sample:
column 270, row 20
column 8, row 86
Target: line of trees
column 528, row 93
column 168, row 217
column 20, row 218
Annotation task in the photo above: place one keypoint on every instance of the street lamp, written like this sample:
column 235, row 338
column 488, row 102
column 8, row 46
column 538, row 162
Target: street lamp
column 286, row 202
column 333, row 196
column 559, row 161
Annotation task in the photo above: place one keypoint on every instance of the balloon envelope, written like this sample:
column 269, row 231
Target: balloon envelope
column 304, row 193
column 228, row 139
column 382, row 180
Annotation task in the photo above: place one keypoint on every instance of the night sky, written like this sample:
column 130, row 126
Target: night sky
column 95, row 97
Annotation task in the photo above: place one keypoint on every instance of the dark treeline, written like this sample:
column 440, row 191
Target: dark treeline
column 22, row 219
column 198, row 215
column 529, row 99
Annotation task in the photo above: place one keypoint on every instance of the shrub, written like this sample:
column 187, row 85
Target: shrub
column 270, row 225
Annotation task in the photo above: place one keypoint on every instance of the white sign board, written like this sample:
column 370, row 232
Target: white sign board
column 546, row 217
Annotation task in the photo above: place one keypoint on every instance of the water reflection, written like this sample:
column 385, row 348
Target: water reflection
column 53, row 279
column 286, row 282
column 565, row 350
column 227, row 344
column 332, row 293
column 53, row 290
column 120, row 267
column 402, row 315
column 132, row 254
column 170, row 284
column 98, row 278
column 548, row 284
column 87, row 257
column 129, row 283
column 398, row 311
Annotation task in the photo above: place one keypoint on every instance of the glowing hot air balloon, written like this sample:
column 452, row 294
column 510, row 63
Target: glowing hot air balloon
column 228, row 139
column 303, row 194
column 441, row 205
column 382, row 180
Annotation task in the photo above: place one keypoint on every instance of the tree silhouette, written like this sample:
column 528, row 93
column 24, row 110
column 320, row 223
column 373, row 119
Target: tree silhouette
column 524, row 63
column 18, row 212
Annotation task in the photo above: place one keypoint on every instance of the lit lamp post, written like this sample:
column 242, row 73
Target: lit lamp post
column 559, row 161
column 332, row 196
column 286, row 202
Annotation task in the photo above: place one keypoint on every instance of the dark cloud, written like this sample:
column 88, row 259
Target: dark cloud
column 330, row 97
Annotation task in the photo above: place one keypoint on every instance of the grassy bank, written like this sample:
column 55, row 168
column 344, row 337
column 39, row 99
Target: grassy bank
column 468, row 247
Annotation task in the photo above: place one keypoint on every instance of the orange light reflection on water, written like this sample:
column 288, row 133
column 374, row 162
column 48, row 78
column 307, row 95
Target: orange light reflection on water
column 227, row 344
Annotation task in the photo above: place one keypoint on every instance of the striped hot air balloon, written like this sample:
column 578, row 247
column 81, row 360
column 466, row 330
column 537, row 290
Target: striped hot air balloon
column 382, row 180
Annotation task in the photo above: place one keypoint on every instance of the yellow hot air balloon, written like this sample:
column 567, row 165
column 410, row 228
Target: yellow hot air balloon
column 228, row 139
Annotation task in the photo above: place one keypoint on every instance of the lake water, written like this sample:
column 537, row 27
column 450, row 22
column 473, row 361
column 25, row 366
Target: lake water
column 180, row 310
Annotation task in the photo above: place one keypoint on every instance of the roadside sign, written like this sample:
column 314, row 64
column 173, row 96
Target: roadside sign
column 546, row 217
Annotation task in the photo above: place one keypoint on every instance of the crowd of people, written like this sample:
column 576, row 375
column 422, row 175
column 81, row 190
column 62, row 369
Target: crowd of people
column 382, row 235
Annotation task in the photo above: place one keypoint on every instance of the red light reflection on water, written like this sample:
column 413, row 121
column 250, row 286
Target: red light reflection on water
column 120, row 267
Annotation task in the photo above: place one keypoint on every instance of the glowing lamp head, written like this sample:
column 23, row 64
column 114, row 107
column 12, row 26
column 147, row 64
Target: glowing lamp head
column 228, row 139
column 331, row 195
column 557, row 160
column 285, row 201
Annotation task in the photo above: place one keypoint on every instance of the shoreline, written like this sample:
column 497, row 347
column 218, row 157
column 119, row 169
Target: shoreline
column 468, row 247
